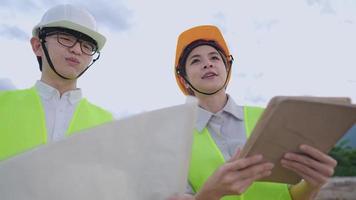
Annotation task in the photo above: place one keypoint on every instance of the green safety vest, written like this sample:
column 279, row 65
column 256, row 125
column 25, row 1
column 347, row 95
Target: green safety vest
column 206, row 158
column 23, row 124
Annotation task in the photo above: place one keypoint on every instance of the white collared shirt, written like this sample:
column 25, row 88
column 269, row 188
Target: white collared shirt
column 226, row 127
column 58, row 109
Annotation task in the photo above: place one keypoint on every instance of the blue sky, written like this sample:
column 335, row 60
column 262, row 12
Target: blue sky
column 281, row 47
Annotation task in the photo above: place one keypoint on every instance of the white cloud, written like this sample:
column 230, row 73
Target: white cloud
column 6, row 84
column 281, row 48
column 13, row 32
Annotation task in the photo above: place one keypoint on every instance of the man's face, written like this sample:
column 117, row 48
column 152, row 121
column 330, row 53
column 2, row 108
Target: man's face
column 68, row 60
column 205, row 69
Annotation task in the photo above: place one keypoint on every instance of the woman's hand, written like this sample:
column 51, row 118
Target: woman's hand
column 182, row 197
column 234, row 177
column 314, row 166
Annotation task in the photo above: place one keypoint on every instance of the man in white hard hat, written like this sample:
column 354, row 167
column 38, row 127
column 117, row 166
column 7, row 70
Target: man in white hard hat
column 66, row 43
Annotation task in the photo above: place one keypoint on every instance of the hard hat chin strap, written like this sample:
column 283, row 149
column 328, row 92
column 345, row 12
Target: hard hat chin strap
column 43, row 41
column 48, row 58
column 179, row 72
column 95, row 59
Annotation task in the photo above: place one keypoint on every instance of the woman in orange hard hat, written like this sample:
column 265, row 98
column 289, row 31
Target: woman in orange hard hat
column 202, row 69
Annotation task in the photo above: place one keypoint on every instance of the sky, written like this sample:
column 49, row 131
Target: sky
column 281, row 47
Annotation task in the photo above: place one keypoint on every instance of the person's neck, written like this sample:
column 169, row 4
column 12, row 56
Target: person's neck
column 213, row 103
column 60, row 84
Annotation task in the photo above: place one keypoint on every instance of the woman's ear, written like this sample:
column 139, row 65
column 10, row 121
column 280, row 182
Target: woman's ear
column 187, row 86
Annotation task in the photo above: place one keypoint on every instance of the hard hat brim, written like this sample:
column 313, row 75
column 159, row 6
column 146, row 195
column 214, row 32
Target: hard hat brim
column 99, row 38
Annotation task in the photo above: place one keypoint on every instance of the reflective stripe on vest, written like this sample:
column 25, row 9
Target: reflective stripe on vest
column 206, row 158
column 22, row 120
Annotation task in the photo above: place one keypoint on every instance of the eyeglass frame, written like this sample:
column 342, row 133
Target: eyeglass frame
column 77, row 39
column 80, row 37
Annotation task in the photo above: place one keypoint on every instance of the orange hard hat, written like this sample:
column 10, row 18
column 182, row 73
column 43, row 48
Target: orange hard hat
column 205, row 32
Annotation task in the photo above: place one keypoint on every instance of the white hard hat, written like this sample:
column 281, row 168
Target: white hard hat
column 71, row 17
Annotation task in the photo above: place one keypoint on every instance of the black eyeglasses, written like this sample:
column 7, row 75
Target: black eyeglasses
column 68, row 40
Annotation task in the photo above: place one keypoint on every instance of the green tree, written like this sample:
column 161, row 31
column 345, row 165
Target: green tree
column 346, row 159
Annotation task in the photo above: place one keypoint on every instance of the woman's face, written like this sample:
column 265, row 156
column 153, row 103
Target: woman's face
column 205, row 69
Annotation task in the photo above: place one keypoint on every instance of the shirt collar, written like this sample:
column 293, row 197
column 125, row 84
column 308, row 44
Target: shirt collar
column 231, row 108
column 235, row 110
column 203, row 117
column 48, row 92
